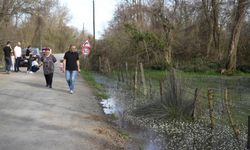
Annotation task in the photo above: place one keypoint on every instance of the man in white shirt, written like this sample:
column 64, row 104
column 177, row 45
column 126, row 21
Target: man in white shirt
column 18, row 55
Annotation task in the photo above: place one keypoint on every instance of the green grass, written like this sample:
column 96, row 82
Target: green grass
column 160, row 74
column 99, row 90
column 155, row 74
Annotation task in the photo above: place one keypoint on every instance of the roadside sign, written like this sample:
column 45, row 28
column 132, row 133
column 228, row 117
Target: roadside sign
column 85, row 51
column 86, row 48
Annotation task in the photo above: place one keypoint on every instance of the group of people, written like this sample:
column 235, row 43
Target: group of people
column 71, row 63
column 32, row 65
column 12, row 57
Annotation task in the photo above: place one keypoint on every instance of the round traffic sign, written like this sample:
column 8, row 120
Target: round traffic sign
column 86, row 51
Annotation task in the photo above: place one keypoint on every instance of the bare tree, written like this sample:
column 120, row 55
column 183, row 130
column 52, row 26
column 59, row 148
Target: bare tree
column 211, row 11
column 167, row 21
column 209, row 26
column 238, row 21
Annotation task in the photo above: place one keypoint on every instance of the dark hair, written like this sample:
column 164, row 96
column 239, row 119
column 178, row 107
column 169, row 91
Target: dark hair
column 71, row 45
column 8, row 42
column 29, row 46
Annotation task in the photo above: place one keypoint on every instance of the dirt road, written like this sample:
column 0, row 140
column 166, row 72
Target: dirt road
column 33, row 116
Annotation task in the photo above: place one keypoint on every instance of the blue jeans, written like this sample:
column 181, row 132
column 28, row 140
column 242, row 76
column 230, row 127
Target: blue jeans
column 71, row 78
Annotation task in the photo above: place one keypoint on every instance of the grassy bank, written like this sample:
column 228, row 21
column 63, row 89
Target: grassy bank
column 99, row 90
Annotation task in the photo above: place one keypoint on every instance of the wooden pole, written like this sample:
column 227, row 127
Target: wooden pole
column 136, row 80
column 93, row 24
column 211, row 109
column 150, row 87
column 212, row 119
column 161, row 90
column 248, row 137
column 143, row 79
column 100, row 64
column 233, row 125
column 127, row 78
column 194, row 114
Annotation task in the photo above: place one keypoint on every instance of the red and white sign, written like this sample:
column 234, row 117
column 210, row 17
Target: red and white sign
column 86, row 48
column 85, row 51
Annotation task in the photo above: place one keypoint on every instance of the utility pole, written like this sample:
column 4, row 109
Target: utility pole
column 93, row 24
column 83, row 29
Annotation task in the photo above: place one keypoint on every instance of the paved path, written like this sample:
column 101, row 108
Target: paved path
column 33, row 117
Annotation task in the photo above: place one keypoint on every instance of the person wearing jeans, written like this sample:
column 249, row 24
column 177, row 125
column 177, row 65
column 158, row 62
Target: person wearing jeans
column 71, row 67
column 71, row 78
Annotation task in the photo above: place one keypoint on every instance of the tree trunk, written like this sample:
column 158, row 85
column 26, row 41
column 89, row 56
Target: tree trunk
column 168, row 27
column 216, row 31
column 216, row 28
column 168, row 47
column 232, row 52
column 210, row 27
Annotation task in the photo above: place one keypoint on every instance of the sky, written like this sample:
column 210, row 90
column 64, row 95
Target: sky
column 81, row 12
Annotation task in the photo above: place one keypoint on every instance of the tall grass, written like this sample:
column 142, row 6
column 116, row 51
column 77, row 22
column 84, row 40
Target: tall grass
column 175, row 105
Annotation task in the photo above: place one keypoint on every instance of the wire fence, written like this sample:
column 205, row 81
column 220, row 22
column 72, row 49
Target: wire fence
column 218, row 100
column 238, row 93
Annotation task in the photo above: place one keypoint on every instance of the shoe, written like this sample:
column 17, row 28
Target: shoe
column 50, row 86
column 71, row 92
column 31, row 72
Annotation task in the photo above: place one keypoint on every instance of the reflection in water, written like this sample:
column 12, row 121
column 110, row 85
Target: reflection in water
column 141, row 138
column 108, row 106
column 117, row 104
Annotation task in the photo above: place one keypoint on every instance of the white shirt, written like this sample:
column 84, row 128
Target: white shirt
column 18, row 51
column 34, row 63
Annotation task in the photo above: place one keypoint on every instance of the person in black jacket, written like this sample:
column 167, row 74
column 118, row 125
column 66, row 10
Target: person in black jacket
column 28, row 56
column 7, row 57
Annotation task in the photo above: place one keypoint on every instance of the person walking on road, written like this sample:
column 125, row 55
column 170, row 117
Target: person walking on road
column 18, row 55
column 48, row 61
column 7, row 56
column 71, row 66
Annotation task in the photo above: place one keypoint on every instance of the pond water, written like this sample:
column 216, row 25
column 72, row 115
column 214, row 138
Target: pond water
column 179, row 135
column 140, row 137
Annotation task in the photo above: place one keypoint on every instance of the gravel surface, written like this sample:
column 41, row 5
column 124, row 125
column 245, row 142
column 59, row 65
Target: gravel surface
column 36, row 117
